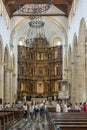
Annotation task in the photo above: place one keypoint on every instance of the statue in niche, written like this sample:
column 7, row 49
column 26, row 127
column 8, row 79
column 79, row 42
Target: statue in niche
column 40, row 56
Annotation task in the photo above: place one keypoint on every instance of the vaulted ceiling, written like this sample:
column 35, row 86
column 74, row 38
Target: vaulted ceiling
column 63, row 5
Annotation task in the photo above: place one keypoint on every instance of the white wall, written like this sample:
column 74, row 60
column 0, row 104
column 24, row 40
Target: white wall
column 81, row 11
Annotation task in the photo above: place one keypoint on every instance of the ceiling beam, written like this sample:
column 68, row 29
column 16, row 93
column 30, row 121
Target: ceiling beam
column 59, row 2
column 40, row 15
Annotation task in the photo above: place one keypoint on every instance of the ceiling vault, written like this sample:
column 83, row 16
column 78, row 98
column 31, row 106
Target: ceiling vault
column 63, row 5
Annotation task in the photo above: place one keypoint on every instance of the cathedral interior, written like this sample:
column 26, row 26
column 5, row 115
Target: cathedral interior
column 43, row 65
column 43, row 50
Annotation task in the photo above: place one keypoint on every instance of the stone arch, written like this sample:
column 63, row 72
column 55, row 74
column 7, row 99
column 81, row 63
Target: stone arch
column 82, row 30
column 56, row 40
column 27, row 19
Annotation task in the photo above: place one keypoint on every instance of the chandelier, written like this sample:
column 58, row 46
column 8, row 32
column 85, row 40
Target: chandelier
column 32, row 6
column 36, row 30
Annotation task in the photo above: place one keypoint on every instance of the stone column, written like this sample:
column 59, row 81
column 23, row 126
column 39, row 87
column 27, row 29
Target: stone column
column 81, row 74
column 81, row 62
column 14, row 88
column 65, row 62
column 86, row 68
column 10, row 86
column 74, row 88
column 65, row 68
column 1, row 83
column 6, row 86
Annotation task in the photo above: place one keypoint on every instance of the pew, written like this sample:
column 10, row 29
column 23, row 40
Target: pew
column 51, row 109
column 18, row 114
column 2, row 121
column 68, row 121
column 8, row 117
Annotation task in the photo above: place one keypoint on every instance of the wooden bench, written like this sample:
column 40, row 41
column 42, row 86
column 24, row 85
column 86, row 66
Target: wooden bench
column 18, row 114
column 51, row 109
column 9, row 116
column 4, row 120
column 68, row 121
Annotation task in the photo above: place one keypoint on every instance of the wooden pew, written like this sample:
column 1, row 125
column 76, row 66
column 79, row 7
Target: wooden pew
column 2, row 122
column 68, row 121
column 18, row 114
column 51, row 109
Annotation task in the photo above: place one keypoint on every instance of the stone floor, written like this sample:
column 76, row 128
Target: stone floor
column 27, row 124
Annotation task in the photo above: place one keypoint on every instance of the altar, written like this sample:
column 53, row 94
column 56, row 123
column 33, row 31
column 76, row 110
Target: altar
column 39, row 99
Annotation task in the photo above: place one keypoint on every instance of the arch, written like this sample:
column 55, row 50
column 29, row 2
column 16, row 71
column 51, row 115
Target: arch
column 74, row 40
column 74, row 47
column 56, row 40
column 27, row 19
column 82, row 32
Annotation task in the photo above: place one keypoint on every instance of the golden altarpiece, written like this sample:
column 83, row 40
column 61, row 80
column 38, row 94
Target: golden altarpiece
column 39, row 69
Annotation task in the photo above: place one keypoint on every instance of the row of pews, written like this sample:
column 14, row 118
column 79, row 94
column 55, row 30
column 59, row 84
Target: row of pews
column 8, row 117
column 67, row 120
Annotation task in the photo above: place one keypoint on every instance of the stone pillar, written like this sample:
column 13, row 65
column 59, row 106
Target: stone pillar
column 1, row 83
column 81, row 62
column 81, row 74
column 65, row 68
column 86, row 68
column 74, row 88
column 65, row 62
column 14, row 88
column 6, row 86
column 10, row 86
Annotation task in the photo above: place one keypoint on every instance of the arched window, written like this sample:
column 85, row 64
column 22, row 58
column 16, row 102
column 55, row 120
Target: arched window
column 57, row 41
column 21, row 41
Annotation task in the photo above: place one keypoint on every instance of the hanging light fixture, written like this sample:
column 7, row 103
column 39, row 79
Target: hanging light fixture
column 32, row 6
column 36, row 30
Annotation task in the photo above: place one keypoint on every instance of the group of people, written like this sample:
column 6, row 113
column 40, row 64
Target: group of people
column 33, row 109
column 63, row 107
column 81, row 106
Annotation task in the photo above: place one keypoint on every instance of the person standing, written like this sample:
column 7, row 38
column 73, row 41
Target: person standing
column 65, row 107
column 58, row 108
column 25, row 110
column 31, row 110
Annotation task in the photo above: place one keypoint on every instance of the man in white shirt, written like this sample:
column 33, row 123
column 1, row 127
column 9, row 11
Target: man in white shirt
column 58, row 108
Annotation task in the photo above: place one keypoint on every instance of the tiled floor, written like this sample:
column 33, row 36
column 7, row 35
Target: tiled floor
column 35, row 124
